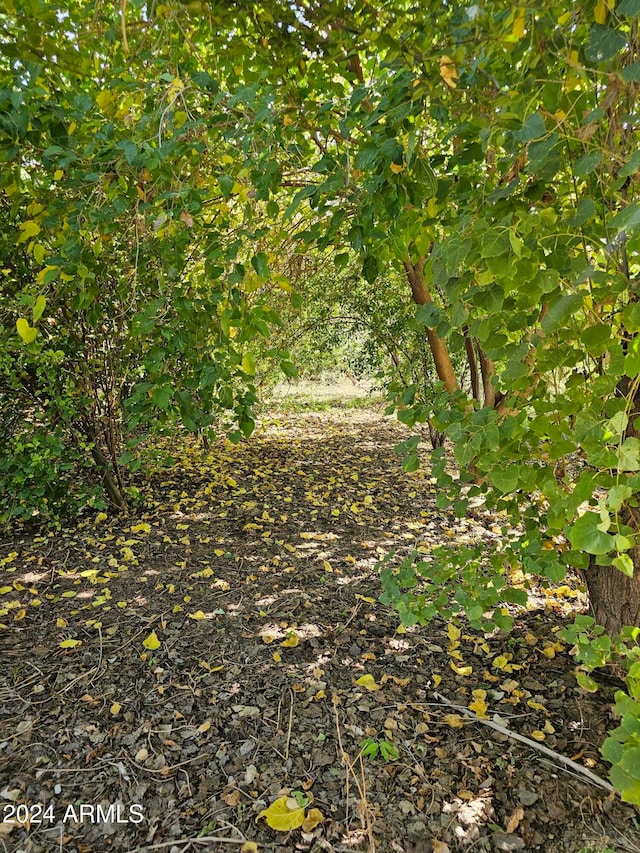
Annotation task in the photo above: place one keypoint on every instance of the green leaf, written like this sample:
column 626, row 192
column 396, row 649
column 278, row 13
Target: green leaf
column 563, row 308
column 629, row 455
column 627, row 219
column 533, row 128
column 604, row 43
column 39, row 307
column 260, row 263
column 289, row 369
column 370, row 268
column 631, row 73
column 631, row 317
column 586, row 682
column 630, row 8
column 161, row 396
column 587, row 164
column 624, row 564
column 505, row 478
column 585, row 536
column 248, row 364
column 617, row 496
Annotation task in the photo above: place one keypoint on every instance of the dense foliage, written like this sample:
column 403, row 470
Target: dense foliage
column 161, row 161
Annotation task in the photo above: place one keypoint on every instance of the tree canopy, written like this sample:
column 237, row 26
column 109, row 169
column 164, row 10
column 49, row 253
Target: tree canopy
column 178, row 178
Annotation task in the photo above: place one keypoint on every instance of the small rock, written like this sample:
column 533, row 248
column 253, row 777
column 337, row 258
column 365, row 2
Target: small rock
column 506, row 841
column 527, row 797
column 416, row 829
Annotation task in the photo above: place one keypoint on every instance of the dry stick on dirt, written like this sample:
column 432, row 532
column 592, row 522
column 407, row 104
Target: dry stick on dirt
column 365, row 818
column 532, row 743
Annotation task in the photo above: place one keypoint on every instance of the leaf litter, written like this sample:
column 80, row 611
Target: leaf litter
column 220, row 657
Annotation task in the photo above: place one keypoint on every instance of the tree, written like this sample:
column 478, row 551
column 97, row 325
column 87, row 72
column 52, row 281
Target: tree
column 490, row 160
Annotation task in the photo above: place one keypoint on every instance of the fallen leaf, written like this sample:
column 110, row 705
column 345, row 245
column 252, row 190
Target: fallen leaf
column 369, row 682
column 152, row 642
column 313, row 818
column 70, row 644
column 514, row 820
column 282, row 818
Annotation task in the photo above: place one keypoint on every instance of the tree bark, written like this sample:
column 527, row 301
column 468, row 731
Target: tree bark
column 109, row 482
column 438, row 347
column 614, row 598
column 472, row 361
column 487, row 369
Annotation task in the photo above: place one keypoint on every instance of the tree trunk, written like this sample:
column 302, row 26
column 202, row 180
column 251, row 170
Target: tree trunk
column 473, row 364
column 110, row 483
column 487, row 368
column 438, row 347
column 614, row 597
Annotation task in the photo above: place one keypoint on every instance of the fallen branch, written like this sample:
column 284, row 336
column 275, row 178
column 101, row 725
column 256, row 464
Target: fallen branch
column 532, row 743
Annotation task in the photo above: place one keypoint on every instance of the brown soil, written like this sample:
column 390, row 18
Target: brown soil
column 255, row 567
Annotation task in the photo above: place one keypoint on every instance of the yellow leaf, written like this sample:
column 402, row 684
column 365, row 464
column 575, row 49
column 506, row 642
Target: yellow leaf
column 277, row 657
column 141, row 528
column 70, row 644
column 248, row 846
column 461, row 670
column 115, row 709
column 198, row 615
column 104, row 100
column 538, row 735
column 365, row 598
column 20, row 615
column 26, row 332
column 437, row 680
column 453, row 632
column 479, row 705
column 548, row 728
column 600, row 12
column 280, row 817
column 268, row 638
column 152, row 642
column 396, row 168
column 284, row 284
column 60, row 622
column 313, row 818
column 518, row 25
column 454, row 720
column 369, row 682
column 204, row 727
column 57, row 174
column 5, row 589
column 248, row 364
column 291, row 641
column 448, row 71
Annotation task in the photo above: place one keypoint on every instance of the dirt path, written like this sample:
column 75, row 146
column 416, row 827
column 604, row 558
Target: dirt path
column 229, row 640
